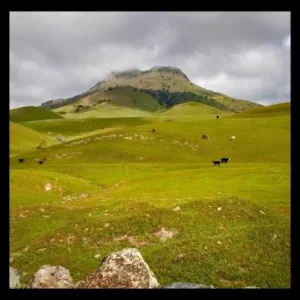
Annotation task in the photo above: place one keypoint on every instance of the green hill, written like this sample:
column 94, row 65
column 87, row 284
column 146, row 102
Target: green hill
column 31, row 113
column 119, row 102
column 274, row 110
column 73, row 127
column 23, row 139
column 192, row 108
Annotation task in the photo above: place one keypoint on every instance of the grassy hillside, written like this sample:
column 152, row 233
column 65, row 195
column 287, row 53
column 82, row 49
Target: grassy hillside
column 174, row 138
column 70, row 127
column 31, row 113
column 104, row 110
column 23, row 139
column 192, row 108
column 280, row 109
column 115, row 189
column 120, row 102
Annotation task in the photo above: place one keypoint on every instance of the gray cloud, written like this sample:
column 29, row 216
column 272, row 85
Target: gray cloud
column 60, row 54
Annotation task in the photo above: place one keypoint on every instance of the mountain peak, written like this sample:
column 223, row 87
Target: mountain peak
column 168, row 69
column 129, row 73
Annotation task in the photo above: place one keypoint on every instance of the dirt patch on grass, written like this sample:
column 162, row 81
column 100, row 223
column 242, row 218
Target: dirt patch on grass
column 76, row 196
column 164, row 234
column 283, row 210
column 132, row 240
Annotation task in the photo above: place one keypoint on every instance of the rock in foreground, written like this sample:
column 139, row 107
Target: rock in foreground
column 186, row 285
column 50, row 277
column 123, row 269
column 14, row 278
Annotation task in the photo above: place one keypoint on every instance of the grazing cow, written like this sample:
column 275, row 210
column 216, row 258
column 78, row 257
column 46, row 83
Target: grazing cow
column 225, row 160
column 21, row 160
column 216, row 162
column 233, row 137
column 217, row 117
column 204, row 137
column 153, row 130
column 41, row 162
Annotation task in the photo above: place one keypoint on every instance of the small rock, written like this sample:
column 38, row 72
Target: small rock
column 86, row 229
column 41, row 250
column 90, row 214
column 52, row 240
column 181, row 255
column 42, row 209
column 219, row 208
column 274, row 237
column 52, row 277
column 218, row 242
column 97, row 256
column 205, row 248
column 147, row 215
column 14, row 278
column 176, row 208
column 186, row 285
column 106, row 225
column 26, row 249
column 48, row 187
column 263, row 213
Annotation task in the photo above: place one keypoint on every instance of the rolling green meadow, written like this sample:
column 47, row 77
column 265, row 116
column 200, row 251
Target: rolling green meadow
column 114, row 184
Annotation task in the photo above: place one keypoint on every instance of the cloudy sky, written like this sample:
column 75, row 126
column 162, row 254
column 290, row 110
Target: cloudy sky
column 61, row 54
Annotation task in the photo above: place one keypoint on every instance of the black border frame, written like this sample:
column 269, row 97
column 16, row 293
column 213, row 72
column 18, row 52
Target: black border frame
column 165, row 293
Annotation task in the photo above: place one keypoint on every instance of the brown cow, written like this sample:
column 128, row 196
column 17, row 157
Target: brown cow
column 204, row 137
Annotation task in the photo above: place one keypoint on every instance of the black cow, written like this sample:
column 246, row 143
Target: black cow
column 41, row 162
column 153, row 130
column 225, row 159
column 217, row 117
column 216, row 162
column 21, row 160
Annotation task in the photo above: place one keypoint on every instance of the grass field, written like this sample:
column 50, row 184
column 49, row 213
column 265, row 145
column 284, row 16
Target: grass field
column 116, row 187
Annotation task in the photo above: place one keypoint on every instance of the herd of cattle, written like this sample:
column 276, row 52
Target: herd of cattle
column 223, row 159
column 40, row 161
column 203, row 137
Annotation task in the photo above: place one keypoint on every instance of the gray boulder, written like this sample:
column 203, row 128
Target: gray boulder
column 50, row 277
column 123, row 269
